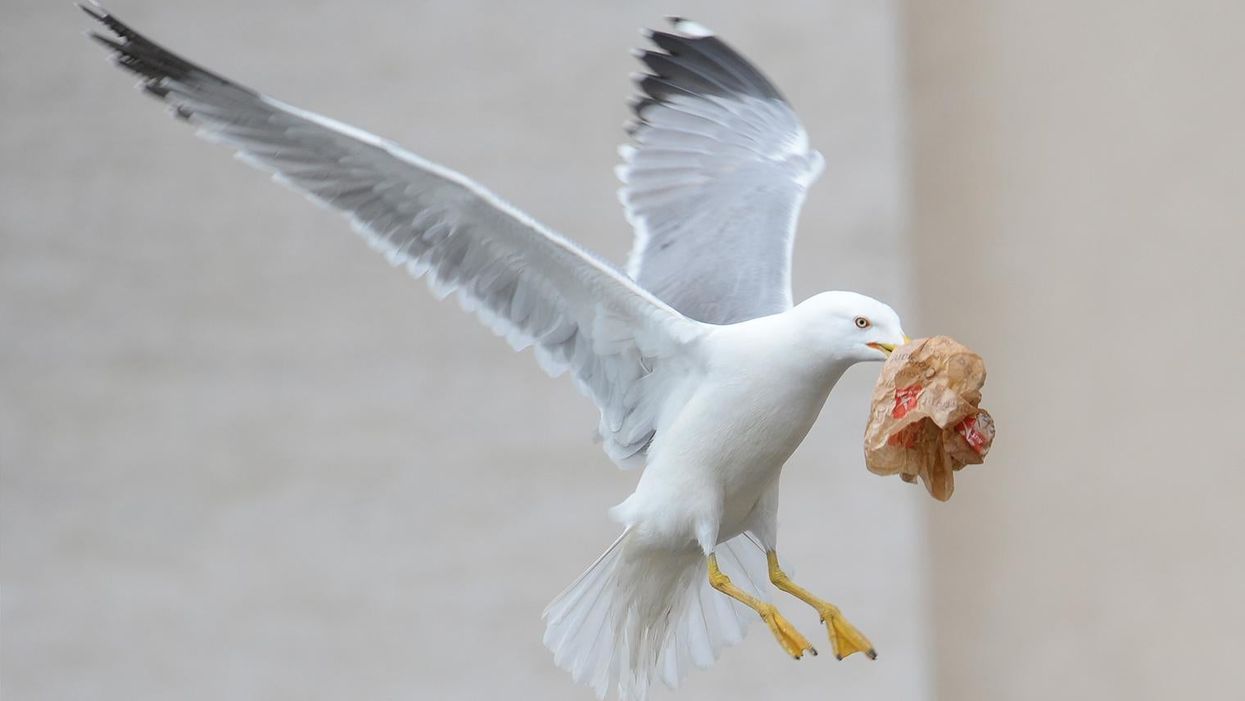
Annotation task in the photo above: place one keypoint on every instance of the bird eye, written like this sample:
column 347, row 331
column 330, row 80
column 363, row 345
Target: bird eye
column 862, row 323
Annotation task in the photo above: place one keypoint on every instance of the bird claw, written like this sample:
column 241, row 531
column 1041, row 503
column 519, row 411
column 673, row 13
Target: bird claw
column 844, row 637
column 791, row 640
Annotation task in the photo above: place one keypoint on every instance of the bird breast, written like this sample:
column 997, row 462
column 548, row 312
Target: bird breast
column 741, row 428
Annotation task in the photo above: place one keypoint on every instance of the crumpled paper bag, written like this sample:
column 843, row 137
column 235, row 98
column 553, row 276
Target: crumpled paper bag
column 925, row 421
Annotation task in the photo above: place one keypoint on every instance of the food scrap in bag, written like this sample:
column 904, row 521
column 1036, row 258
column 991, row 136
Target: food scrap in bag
column 925, row 421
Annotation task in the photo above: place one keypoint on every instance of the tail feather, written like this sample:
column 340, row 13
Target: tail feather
column 639, row 614
column 572, row 610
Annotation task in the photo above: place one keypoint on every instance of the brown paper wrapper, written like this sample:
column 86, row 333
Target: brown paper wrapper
column 925, row 421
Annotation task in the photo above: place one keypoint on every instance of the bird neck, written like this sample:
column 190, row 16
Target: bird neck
column 795, row 344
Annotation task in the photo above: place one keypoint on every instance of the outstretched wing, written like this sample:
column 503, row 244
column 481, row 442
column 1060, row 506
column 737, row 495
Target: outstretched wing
column 714, row 180
column 621, row 344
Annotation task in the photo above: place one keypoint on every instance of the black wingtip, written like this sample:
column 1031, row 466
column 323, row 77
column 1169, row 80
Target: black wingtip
column 690, row 59
column 153, row 63
column 100, row 14
column 690, row 28
column 93, row 9
column 107, row 42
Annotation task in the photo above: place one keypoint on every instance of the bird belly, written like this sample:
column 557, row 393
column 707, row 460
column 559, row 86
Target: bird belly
column 755, row 465
column 707, row 471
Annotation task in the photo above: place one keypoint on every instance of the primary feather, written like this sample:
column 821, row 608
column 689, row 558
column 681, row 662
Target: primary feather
column 714, row 180
column 525, row 281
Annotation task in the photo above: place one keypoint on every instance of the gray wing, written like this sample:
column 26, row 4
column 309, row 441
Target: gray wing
column 622, row 345
column 714, row 180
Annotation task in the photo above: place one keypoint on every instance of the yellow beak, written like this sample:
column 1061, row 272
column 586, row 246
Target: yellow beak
column 888, row 348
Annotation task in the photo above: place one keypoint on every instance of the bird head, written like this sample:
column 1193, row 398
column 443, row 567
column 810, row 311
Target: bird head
column 854, row 327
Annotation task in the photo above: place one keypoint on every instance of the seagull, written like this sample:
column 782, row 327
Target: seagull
column 705, row 373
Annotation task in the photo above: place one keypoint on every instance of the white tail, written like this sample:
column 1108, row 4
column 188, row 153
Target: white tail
column 639, row 613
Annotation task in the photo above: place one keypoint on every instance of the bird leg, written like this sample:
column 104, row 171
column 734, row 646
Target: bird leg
column 843, row 636
column 788, row 637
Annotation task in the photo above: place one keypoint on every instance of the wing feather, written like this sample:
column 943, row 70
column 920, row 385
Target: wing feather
column 624, row 347
column 714, row 180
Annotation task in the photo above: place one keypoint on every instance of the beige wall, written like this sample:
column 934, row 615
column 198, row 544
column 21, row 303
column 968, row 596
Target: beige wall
column 241, row 458
column 1081, row 168
column 244, row 459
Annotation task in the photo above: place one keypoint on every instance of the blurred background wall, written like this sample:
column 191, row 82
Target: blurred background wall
column 1078, row 216
column 242, row 458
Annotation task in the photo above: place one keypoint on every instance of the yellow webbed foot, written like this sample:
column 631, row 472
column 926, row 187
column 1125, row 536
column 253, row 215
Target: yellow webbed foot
column 844, row 637
column 788, row 637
